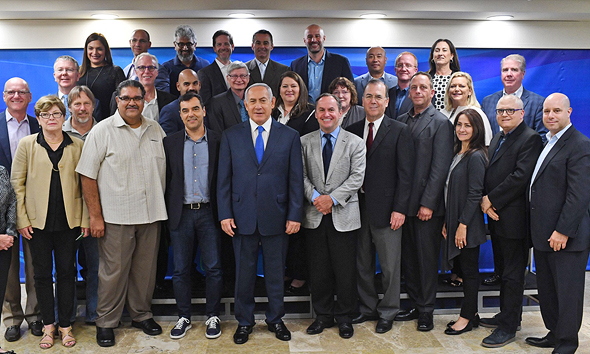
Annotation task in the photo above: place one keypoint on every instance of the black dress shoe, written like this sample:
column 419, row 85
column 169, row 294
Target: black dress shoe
column 544, row 342
column 493, row 279
column 12, row 333
column 363, row 318
column 280, row 330
column 407, row 315
column 452, row 332
column 498, row 338
column 149, row 327
column 36, row 328
column 425, row 322
column 345, row 330
column 105, row 337
column 292, row 290
column 383, row 326
column 318, row 326
column 241, row 335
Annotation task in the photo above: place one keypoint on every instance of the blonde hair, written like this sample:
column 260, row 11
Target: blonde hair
column 471, row 100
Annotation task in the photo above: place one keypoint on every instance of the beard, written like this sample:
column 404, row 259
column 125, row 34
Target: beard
column 185, row 57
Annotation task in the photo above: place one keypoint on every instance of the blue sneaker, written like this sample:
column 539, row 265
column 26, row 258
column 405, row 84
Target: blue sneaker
column 213, row 327
column 179, row 330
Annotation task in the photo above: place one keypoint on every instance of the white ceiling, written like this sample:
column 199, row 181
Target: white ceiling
column 524, row 10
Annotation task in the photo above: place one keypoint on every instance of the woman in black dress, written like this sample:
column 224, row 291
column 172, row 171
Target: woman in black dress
column 443, row 61
column 292, row 108
column 464, row 230
column 98, row 72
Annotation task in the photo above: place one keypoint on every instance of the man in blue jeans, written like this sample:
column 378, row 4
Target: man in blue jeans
column 191, row 172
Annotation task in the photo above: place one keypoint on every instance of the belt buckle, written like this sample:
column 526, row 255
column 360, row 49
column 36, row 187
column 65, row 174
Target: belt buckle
column 197, row 204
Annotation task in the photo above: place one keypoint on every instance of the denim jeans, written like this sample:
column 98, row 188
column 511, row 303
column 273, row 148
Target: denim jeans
column 197, row 227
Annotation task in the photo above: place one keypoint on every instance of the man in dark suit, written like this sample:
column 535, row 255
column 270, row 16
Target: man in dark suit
column 384, row 206
column 260, row 197
column 170, row 121
column 191, row 175
column 213, row 77
column 560, row 225
column 432, row 133
column 512, row 73
column 512, row 155
column 319, row 67
column 227, row 109
column 406, row 65
column 15, row 124
column 262, row 68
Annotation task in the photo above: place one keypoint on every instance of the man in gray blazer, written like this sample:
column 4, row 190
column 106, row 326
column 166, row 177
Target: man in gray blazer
column 333, row 171
column 376, row 61
column 262, row 68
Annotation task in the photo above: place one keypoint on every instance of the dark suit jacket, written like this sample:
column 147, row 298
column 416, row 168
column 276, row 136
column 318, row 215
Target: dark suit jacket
column 560, row 194
column 174, row 149
column 212, row 82
column 304, row 123
column 433, row 144
column 389, row 172
column 222, row 112
column 170, row 118
column 533, row 110
column 405, row 107
column 5, row 156
column 260, row 196
column 507, row 178
column 163, row 99
column 272, row 74
column 335, row 65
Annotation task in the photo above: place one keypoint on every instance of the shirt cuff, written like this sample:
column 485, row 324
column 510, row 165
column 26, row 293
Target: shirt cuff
column 315, row 195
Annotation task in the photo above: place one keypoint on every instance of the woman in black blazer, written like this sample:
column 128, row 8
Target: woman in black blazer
column 292, row 108
column 464, row 230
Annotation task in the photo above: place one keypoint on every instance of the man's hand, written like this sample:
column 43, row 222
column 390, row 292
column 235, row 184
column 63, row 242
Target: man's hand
column 485, row 204
column 557, row 241
column 86, row 231
column 97, row 226
column 227, row 225
column 323, row 204
column 492, row 214
column 292, row 227
column 397, row 220
column 444, row 231
column 26, row 232
column 424, row 213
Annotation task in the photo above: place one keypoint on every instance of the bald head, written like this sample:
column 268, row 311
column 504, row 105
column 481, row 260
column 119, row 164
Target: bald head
column 556, row 112
column 188, row 81
column 17, row 97
column 314, row 38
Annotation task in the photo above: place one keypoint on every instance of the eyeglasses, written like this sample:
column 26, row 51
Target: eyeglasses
column 509, row 111
column 408, row 66
column 127, row 98
column 47, row 115
column 184, row 44
column 12, row 93
column 242, row 76
column 149, row 68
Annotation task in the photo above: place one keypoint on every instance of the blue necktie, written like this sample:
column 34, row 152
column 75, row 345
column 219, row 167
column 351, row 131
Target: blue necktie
column 65, row 101
column 259, row 146
column 327, row 153
column 243, row 112
column 502, row 139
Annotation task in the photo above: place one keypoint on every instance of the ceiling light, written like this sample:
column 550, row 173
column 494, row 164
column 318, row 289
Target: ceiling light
column 241, row 15
column 104, row 16
column 500, row 17
column 372, row 16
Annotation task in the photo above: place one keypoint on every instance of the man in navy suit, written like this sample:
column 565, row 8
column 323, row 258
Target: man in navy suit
column 319, row 67
column 15, row 124
column 191, row 174
column 260, row 197
column 406, row 65
column 213, row 77
column 262, row 68
column 376, row 60
column 559, row 200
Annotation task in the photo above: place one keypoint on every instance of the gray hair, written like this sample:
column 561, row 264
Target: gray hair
column 234, row 65
column 518, row 58
column 260, row 84
column 153, row 57
column 68, row 58
column 185, row 31
column 75, row 94
column 515, row 99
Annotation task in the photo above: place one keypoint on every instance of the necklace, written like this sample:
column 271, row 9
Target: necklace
column 88, row 74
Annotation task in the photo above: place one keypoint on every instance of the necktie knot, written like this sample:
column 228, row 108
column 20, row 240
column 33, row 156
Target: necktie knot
column 259, row 145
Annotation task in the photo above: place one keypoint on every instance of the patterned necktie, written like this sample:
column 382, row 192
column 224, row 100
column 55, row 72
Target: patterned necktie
column 502, row 139
column 65, row 101
column 259, row 146
column 327, row 153
column 243, row 112
column 370, row 137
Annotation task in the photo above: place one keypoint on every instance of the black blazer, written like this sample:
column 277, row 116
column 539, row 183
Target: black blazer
column 272, row 74
column 464, row 194
column 405, row 107
column 507, row 178
column 222, row 112
column 433, row 144
column 335, row 65
column 560, row 195
column 174, row 149
column 389, row 172
column 301, row 123
column 212, row 82
column 163, row 99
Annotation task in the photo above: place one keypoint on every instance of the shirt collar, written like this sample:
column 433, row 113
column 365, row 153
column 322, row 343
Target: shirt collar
column 203, row 138
column 321, row 61
column 261, row 63
column 9, row 117
column 334, row 133
column 220, row 64
column 266, row 125
column 517, row 93
column 559, row 134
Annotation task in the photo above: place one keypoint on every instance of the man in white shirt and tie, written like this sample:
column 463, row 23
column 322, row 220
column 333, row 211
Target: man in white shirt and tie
column 262, row 68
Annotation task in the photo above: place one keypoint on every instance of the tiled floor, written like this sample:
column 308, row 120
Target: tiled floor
column 403, row 338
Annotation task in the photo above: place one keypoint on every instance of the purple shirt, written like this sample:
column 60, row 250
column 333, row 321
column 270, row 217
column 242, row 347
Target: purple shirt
column 16, row 131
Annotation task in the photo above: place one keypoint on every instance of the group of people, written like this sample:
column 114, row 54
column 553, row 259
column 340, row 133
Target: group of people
column 321, row 171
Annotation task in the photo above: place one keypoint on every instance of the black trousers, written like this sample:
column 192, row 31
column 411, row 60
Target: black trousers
column 469, row 259
column 43, row 246
column 332, row 270
column 297, row 257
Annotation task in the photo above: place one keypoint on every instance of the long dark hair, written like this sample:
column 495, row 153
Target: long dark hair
column 477, row 141
column 454, row 64
column 302, row 104
column 108, row 59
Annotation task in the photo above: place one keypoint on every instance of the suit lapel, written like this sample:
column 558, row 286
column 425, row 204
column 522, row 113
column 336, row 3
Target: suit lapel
column 247, row 136
column 274, row 136
column 423, row 121
column 233, row 107
column 255, row 75
column 509, row 141
column 558, row 146
column 384, row 129
column 4, row 140
column 337, row 153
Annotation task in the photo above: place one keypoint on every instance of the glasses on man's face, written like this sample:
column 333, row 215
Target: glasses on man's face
column 128, row 99
column 12, row 93
column 407, row 66
column 184, row 44
column 149, row 68
column 47, row 115
column 509, row 111
column 241, row 76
